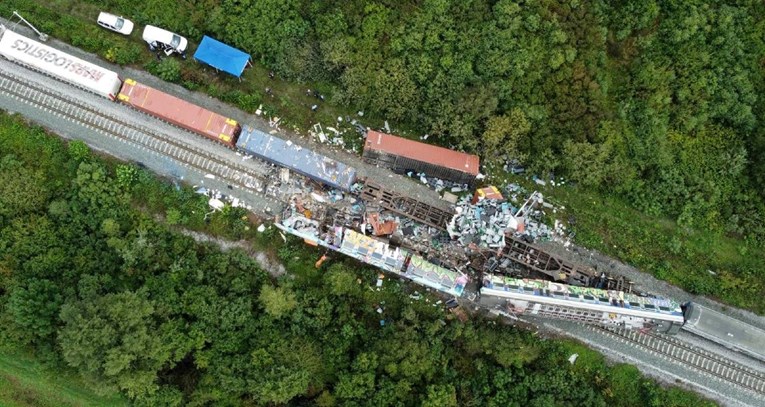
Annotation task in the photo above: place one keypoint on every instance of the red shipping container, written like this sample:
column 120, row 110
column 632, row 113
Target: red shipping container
column 180, row 112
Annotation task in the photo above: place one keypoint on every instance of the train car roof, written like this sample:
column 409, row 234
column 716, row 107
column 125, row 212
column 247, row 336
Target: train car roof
column 727, row 330
column 444, row 157
column 574, row 293
column 297, row 158
column 379, row 254
column 59, row 64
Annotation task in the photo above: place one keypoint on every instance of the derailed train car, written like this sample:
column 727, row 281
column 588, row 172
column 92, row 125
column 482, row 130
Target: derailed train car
column 179, row 112
column 583, row 304
column 58, row 64
column 297, row 158
column 366, row 249
column 402, row 155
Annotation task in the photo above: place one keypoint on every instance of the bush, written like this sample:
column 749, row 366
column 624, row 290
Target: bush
column 168, row 69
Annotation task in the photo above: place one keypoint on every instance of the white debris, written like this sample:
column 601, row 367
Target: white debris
column 216, row 204
column 283, row 237
column 387, row 127
column 572, row 358
column 479, row 176
column 259, row 111
column 360, row 113
column 209, row 176
column 261, row 228
column 318, row 197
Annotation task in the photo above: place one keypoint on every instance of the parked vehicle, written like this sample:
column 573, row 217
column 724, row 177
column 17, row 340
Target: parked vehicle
column 114, row 23
column 161, row 40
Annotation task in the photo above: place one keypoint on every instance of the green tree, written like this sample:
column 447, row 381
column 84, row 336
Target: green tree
column 503, row 136
column 277, row 301
column 34, row 308
column 115, row 340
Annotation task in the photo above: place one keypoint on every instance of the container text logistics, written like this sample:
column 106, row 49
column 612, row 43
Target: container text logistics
column 62, row 66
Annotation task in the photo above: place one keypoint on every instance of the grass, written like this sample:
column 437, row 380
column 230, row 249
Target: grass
column 25, row 382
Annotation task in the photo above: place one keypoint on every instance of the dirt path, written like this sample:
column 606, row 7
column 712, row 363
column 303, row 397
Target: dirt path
column 271, row 266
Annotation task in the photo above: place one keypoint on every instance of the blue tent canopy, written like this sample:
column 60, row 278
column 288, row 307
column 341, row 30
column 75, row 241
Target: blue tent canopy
column 221, row 56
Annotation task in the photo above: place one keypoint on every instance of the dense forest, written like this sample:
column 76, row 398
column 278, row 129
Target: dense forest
column 656, row 101
column 96, row 279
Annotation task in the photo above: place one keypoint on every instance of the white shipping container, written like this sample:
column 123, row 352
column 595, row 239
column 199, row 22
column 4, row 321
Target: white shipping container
column 59, row 64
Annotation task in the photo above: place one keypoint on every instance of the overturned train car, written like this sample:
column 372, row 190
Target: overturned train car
column 402, row 155
column 366, row 249
column 583, row 304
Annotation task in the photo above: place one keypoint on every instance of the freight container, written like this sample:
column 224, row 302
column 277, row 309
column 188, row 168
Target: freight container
column 58, row 64
column 179, row 112
column 299, row 159
column 402, row 155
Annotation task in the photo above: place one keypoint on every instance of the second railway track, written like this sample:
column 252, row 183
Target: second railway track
column 164, row 145
column 720, row 367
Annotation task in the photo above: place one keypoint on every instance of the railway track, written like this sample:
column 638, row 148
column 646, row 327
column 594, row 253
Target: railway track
column 721, row 368
column 75, row 110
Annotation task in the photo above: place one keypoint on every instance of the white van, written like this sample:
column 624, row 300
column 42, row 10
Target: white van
column 163, row 40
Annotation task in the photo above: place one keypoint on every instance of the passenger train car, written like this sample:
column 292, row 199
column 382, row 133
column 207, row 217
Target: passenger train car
column 369, row 250
column 729, row 332
column 584, row 304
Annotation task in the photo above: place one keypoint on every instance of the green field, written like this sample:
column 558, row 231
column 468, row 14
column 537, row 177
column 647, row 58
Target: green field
column 25, row 382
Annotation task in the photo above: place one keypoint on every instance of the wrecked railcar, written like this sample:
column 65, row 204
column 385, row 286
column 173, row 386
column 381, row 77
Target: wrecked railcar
column 402, row 155
column 297, row 158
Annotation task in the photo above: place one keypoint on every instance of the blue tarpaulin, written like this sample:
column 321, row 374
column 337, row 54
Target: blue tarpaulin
column 221, row 56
